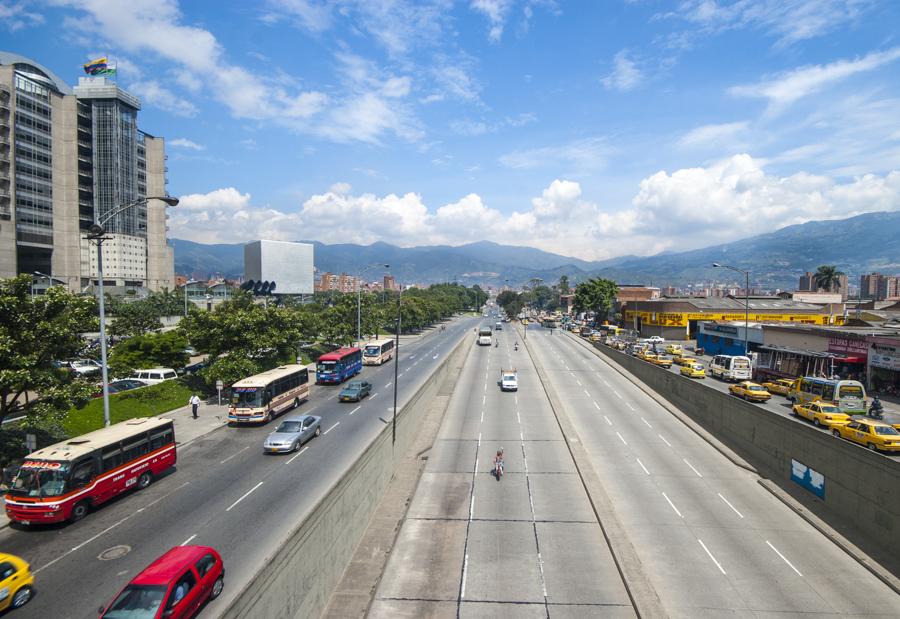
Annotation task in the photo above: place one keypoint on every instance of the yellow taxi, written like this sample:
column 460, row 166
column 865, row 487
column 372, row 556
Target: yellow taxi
column 876, row 435
column 684, row 359
column 16, row 581
column 781, row 386
column 694, row 370
column 674, row 349
column 750, row 391
column 663, row 361
column 822, row 414
column 648, row 355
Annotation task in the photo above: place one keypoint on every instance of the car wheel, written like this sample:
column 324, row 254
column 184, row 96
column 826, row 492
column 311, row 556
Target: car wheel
column 871, row 447
column 217, row 587
column 295, row 446
column 318, row 430
column 817, row 423
column 21, row 597
column 79, row 511
column 144, row 480
column 836, row 434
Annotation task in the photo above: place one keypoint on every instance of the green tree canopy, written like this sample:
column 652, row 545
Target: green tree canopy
column 595, row 295
column 827, row 277
column 148, row 351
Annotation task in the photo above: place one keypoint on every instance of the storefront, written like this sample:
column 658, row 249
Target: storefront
column 884, row 366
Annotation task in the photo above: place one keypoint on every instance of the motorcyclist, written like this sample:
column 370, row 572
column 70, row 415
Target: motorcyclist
column 498, row 463
column 876, row 409
column 497, row 344
column 516, row 346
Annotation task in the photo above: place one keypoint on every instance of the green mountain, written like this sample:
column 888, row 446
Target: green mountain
column 860, row 244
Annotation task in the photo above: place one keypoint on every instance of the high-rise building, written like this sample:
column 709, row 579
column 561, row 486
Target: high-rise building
column 808, row 284
column 868, row 286
column 390, row 283
column 879, row 287
column 68, row 158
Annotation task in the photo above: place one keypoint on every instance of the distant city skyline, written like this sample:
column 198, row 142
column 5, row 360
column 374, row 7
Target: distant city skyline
column 588, row 129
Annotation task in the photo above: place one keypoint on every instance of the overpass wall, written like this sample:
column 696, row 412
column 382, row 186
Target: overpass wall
column 298, row 580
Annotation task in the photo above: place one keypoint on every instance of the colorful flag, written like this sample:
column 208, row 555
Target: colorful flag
column 96, row 67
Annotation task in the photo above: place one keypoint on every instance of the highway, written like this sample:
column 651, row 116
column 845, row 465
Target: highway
column 709, row 539
column 225, row 492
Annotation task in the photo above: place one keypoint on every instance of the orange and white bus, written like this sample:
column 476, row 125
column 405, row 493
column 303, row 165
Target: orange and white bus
column 259, row 398
column 378, row 352
column 64, row 481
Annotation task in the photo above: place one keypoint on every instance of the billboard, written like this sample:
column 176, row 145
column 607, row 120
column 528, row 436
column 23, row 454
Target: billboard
column 289, row 265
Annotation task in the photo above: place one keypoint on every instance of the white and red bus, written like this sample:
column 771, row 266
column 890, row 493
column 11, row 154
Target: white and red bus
column 259, row 398
column 378, row 352
column 339, row 365
column 63, row 481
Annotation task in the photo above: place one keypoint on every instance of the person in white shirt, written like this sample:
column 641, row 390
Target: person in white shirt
column 195, row 404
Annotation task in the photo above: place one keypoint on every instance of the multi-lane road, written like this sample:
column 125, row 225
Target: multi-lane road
column 707, row 538
column 223, row 493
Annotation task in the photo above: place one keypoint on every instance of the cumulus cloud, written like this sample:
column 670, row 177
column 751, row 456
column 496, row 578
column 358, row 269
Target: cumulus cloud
column 153, row 93
column 625, row 75
column 18, row 15
column 185, row 143
column 495, row 11
column 683, row 209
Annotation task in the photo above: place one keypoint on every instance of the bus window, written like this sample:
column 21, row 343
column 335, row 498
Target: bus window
column 816, row 388
column 853, row 391
column 828, row 391
column 82, row 473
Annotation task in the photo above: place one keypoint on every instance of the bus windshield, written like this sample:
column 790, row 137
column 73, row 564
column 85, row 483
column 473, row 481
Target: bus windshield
column 39, row 481
column 372, row 351
column 246, row 397
column 326, row 366
column 851, row 391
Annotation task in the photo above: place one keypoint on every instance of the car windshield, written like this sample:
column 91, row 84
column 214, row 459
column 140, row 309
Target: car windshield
column 755, row 388
column 137, row 602
column 852, row 391
column 41, row 479
column 289, row 426
column 697, row 366
column 830, row 409
column 350, row 390
column 885, row 430
column 509, row 377
column 246, row 397
column 354, row 385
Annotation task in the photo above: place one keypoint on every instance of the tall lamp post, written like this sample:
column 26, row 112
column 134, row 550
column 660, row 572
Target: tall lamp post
column 359, row 297
column 746, row 303
column 98, row 235
column 396, row 367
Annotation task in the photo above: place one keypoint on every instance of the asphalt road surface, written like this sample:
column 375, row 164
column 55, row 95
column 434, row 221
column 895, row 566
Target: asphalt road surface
column 712, row 541
column 225, row 493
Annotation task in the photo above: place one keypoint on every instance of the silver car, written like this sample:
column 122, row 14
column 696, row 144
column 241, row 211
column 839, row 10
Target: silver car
column 291, row 433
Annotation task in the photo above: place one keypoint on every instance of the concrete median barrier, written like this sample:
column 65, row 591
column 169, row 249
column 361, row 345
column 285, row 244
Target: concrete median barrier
column 297, row 581
column 859, row 488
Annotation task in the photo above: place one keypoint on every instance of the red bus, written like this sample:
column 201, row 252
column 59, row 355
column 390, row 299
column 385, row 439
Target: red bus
column 339, row 365
column 63, row 481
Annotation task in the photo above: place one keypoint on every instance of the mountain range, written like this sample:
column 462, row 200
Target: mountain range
column 861, row 244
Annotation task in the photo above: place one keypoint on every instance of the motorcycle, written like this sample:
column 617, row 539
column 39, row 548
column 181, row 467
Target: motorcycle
column 516, row 347
column 876, row 410
column 498, row 469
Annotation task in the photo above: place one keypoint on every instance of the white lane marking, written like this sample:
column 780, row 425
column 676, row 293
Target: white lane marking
column 462, row 592
column 188, row 540
column 664, row 440
column 597, row 405
column 586, row 393
column 618, row 395
column 628, row 404
column 234, row 454
column 718, row 565
column 672, row 505
column 607, row 420
column 299, row 453
column 483, row 400
column 519, row 419
column 642, row 466
column 373, row 395
column 389, row 383
column 331, row 428
column 647, row 422
column 730, row 505
column 479, row 439
column 692, row 467
column 620, row 438
column 246, row 494
column 604, row 381
column 435, row 357
column 355, row 409
column 578, row 381
column 482, row 414
column 783, row 558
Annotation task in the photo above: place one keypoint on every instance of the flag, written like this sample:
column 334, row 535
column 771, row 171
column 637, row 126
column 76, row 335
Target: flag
column 96, row 67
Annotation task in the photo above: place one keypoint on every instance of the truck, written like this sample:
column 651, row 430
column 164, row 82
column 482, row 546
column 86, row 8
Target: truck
column 484, row 336
column 509, row 380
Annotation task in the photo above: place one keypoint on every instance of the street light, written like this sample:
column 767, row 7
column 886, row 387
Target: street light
column 98, row 235
column 38, row 274
column 746, row 304
column 396, row 367
column 359, row 297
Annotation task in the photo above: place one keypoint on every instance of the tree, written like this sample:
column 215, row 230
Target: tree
column 148, row 351
column 564, row 284
column 135, row 318
column 595, row 295
column 511, row 302
column 827, row 277
column 33, row 334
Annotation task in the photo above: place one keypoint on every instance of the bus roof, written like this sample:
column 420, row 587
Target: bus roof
column 380, row 343
column 264, row 378
column 86, row 443
column 340, row 353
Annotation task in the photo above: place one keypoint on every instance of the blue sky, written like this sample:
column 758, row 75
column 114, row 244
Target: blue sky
column 593, row 128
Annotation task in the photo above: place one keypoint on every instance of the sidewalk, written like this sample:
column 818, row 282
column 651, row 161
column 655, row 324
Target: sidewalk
column 209, row 418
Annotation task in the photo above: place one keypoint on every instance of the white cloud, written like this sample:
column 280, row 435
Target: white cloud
column 470, row 127
column 625, row 75
column 153, row 93
column 227, row 199
column 584, row 154
column 495, row 11
column 713, row 134
column 18, row 15
column 786, row 88
column 456, row 81
column 185, row 143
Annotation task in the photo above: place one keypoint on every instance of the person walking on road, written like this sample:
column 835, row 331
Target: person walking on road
column 195, row 404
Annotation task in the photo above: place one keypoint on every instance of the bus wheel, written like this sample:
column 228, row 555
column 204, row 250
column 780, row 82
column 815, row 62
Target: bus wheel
column 296, row 402
column 144, row 480
column 79, row 511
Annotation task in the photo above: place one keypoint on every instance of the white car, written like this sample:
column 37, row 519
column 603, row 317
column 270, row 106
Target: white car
column 85, row 367
column 655, row 339
column 154, row 376
column 509, row 380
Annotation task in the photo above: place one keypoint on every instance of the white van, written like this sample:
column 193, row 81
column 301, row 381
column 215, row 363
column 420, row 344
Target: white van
column 730, row 367
column 154, row 376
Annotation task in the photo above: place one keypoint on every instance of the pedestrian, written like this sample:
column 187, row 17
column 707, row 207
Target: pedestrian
column 195, row 404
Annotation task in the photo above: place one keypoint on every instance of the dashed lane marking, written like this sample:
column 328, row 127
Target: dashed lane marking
column 672, row 505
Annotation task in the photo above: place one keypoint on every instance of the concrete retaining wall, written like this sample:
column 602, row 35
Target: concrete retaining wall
column 299, row 579
column 862, row 489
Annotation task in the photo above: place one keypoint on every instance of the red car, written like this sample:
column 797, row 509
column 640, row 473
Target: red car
column 174, row 586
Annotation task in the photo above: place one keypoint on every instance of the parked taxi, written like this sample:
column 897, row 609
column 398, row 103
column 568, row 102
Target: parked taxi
column 663, row 361
column 822, row 414
column 685, row 359
column 781, row 386
column 875, row 435
column 16, row 581
column 694, row 370
column 750, row 391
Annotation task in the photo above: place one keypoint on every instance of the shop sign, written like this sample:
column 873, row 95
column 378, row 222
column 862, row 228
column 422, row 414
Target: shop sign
column 885, row 357
column 847, row 345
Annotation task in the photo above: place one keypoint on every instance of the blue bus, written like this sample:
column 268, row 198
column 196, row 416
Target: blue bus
column 338, row 365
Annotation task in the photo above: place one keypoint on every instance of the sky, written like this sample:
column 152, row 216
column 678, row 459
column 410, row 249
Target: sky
column 588, row 128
